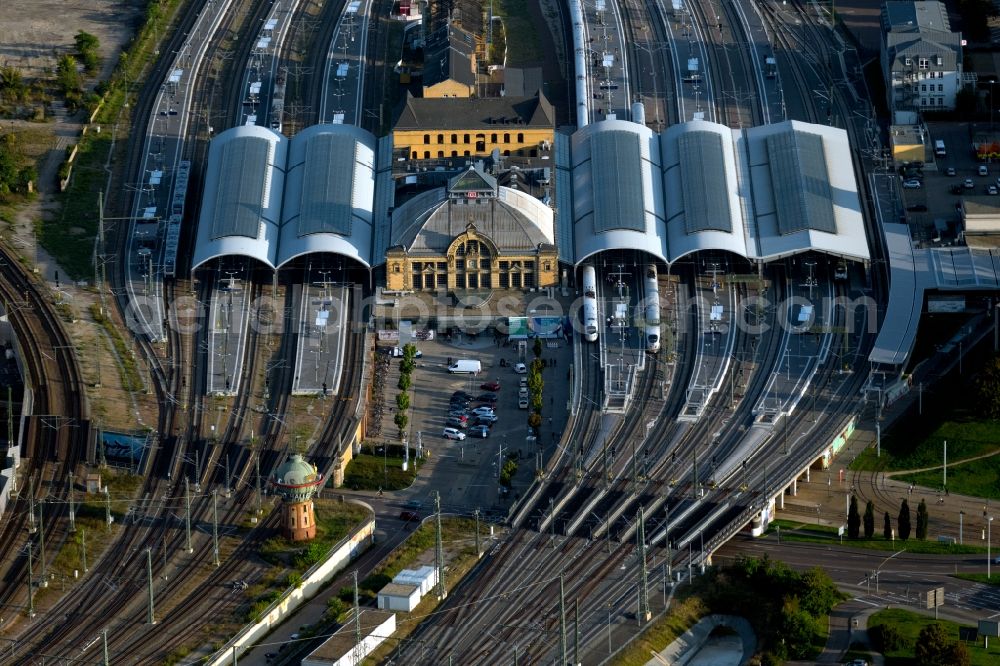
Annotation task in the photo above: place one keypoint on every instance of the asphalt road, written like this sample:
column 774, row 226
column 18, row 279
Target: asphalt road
column 902, row 580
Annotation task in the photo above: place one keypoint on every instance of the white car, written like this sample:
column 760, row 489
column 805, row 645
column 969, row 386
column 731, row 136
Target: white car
column 523, row 393
column 520, row 368
column 522, row 402
column 483, row 411
column 911, row 184
column 991, row 189
column 983, row 171
column 453, row 433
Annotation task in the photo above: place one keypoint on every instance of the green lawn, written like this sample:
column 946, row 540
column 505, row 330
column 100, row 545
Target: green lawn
column 373, row 471
column 523, row 42
column 980, row 577
column 909, row 625
column 978, row 478
column 805, row 533
column 966, row 437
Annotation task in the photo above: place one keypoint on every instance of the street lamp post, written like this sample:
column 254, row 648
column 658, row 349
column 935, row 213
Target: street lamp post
column 989, row 524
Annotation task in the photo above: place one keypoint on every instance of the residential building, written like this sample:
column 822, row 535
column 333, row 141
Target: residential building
column 921, row 56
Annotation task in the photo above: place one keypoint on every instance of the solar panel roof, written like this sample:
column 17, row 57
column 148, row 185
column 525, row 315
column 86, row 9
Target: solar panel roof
column 704, row 183
column 239, row 203
column 616, row 173
column 326, row 205
column 801, row 184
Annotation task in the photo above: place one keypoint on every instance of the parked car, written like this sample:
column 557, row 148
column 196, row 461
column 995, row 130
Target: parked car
column 968, row 184
column 524, row 382
column 485, row 419
column 950, row 171
column 523, row 393
column 911, row 184
column 520, row 368
column 487, row 397
column 483, row 411
column 490, row 386
column 983, row 171
column 453, row 433
column 522, row 402
column 481, row 432
column 457, row 424
column 459, row 414
column 991, row 189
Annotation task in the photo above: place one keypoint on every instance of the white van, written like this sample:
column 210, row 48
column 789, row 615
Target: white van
column 465, row 367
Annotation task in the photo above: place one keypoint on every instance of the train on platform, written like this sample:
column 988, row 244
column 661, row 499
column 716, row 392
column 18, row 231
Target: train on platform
column 652, row 313
column 590, row 320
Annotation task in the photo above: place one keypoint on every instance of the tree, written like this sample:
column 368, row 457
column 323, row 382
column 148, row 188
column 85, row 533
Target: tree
column 401, row 419
column 922, row 519
column 887, row 527
column 87, row 46
column 853, row 519
column 537, row 347
column 869, row 519
column 404, row 381
column 819, row 593
column 987, row 389
column 934, row 648
column 12, row 83
column 903, row 521
column 67, row 77
column 402, row 401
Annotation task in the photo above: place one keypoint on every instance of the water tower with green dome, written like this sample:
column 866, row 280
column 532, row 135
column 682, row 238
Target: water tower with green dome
column 296, row 482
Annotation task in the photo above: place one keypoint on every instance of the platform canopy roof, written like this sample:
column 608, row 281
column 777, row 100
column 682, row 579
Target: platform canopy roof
column 762, row 193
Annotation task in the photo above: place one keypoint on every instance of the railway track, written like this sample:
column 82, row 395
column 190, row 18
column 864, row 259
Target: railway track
column 57, row 435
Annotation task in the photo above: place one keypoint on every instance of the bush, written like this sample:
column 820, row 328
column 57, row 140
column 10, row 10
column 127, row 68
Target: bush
column 886, row 637
column 402, row 401
column 404, row 382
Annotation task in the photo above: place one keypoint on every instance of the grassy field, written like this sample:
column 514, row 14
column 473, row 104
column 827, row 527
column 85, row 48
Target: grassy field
column 978, row 478
column 373, row 471
column 334, row 521
column 981, row 578
column 523, row 42
column 805, row 533
column 966, row 436
column 909, row 625
column 682, row 616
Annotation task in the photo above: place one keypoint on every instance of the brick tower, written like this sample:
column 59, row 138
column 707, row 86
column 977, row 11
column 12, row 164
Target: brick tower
column 296, row 482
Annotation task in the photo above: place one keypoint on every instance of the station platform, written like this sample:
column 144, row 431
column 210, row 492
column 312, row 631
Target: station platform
column 319, row 355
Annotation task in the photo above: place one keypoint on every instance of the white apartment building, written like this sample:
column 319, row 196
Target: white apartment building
column 921, row 57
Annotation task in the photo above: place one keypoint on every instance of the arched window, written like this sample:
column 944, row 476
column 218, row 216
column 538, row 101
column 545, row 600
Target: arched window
column 454, row 138
column 493, row 137
column 520, row 137
column 440, row 138
column 414, row 156
column 506, row 137
column 440, row 153
column 427, row 139
column 466, row 136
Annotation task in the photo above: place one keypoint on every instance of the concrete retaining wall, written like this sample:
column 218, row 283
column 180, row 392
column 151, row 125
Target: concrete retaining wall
column 321, row 572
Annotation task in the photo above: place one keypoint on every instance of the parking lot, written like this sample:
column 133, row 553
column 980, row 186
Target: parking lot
column 933, row 209
column 465, row 471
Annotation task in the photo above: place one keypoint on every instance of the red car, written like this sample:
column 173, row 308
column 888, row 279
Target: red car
column 490, row 386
